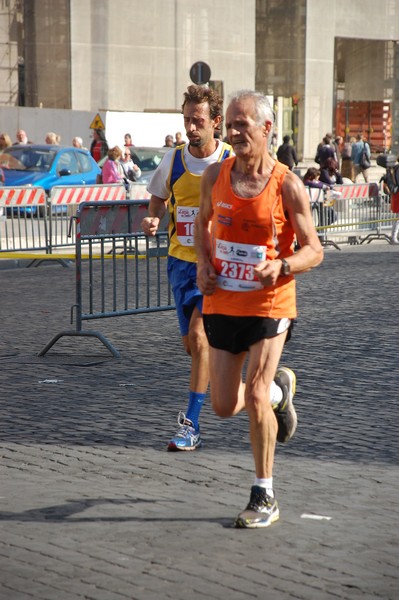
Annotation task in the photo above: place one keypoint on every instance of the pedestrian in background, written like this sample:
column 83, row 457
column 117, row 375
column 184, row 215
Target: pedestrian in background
column 325, row 180
column 5, row 141
column 52, row 138
column 252, row 207
column 312, row 179
column 128, row 140
column 21, row 137
column 395, row 210
column 330, row 174
column 390, row 183
column 361, row 156
column 77, row 142
column 338, row 144
column 131, row 171
column 179, row 139
column 99, row 145
column 347, row 170
column 168, row 141
column 325, row 150
column 286, row 153
column 273, row 145
column 112, row 171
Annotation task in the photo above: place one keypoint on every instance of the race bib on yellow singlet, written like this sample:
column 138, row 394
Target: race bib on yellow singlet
column 185, row 217
column 235, row 264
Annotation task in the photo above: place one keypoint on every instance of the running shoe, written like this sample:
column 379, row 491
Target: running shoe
column 187, row 437
column 285, row 411
column 262, row 510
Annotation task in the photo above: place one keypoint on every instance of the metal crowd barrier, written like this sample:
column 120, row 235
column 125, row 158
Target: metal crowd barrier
column 18, row 230
column 31, row 220
column 119, row 271
column 64, row 202
column 353, row 214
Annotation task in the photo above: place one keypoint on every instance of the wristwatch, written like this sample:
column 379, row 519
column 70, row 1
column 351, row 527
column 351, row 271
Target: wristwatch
column 285, row 270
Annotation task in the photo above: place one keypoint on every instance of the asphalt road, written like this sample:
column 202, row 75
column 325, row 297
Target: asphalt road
column 93, row 507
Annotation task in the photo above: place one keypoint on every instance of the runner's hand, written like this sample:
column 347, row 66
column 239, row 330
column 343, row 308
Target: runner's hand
column 150, row 225
column 206, row 279
column 268, row 272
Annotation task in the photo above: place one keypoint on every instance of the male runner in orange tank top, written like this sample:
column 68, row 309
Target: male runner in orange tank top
column 251, row 210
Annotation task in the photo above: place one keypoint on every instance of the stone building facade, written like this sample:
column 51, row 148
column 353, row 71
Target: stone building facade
column 327, row 67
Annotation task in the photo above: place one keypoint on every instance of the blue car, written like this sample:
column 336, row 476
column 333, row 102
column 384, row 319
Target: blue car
column 47, row 166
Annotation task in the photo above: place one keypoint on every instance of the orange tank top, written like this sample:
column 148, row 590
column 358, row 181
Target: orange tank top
column 244, row 232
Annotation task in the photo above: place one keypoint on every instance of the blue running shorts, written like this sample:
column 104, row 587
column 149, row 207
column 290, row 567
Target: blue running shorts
column 182, row 277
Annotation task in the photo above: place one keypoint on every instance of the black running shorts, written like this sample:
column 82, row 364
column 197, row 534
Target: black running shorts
column 237, row 334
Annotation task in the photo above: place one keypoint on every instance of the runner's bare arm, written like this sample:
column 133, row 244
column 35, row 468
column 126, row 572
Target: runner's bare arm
column 296, row 204
column 206, row 276
column 156, row 210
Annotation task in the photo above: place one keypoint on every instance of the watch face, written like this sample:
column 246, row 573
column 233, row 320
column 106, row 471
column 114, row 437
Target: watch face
column 286, row 268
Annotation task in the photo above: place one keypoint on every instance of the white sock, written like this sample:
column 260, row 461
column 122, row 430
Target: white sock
column 267, row 484
column 276, row 394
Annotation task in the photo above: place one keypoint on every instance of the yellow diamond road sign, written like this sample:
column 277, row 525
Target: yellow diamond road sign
column 97, row 123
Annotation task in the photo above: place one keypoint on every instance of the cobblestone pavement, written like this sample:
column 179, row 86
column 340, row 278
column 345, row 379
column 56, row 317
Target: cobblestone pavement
column 93, row 507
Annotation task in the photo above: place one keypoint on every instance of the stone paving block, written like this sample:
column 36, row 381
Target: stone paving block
column 23, row 585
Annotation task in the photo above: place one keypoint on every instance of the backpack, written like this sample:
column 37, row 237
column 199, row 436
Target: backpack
column 364, row 159
column 391, row 179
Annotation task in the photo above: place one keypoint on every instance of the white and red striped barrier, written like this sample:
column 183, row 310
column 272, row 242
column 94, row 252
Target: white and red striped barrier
column 357, row 190
column 315, row 194
column 22, row 196
column 138, row 191
column 86, row 193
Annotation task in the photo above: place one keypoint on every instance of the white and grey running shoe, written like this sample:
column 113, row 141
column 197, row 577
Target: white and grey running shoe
column 285, row 410
column 262, row 510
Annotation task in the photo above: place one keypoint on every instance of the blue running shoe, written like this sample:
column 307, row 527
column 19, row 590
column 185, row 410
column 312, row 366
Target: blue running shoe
column 285, row 411
column 187, row 437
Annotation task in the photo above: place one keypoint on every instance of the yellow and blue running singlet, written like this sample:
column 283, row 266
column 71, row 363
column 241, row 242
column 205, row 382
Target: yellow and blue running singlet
column 184, row 205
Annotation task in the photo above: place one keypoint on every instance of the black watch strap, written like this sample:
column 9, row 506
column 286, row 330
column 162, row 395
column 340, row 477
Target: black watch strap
column 286, row 267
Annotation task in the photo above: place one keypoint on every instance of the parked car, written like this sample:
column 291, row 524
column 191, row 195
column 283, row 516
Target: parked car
column 47, row 166
column 145, row 157
column 148, row 160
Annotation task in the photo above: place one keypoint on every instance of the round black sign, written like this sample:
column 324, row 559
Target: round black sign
column 200, row 73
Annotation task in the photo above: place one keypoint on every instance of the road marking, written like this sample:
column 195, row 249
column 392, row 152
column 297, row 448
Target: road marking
column 315, row 517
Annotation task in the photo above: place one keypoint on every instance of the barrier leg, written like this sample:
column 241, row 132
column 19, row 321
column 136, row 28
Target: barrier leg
column 330, row 243
column 36, row 262
column 326, row 217
column 73, row 333
column 323, row 239
column 378, row 235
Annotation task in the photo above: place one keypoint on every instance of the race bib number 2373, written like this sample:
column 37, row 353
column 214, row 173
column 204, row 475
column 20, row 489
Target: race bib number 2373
column 235, row 264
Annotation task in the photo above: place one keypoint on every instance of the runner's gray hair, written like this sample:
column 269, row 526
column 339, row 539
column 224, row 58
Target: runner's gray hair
column 264, row 111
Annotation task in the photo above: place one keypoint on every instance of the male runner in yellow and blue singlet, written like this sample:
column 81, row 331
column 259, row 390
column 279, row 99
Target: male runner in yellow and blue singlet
column 176, row 185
